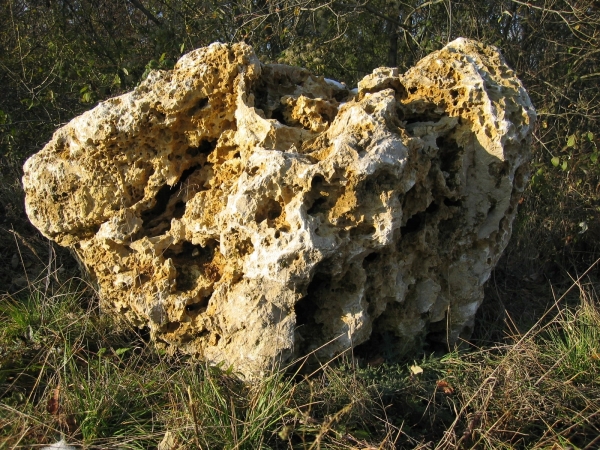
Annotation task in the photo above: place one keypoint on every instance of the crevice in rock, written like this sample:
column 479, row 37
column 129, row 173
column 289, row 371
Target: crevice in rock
column 310, row 333
column 161, row 200
column 168, row 204
column 202, row 103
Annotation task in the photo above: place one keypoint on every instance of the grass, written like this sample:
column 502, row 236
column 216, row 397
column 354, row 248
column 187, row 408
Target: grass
column 67, row 371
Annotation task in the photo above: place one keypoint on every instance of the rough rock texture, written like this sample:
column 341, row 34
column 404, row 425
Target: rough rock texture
column 252, row 213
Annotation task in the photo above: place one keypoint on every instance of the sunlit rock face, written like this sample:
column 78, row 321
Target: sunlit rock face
column 251, row 213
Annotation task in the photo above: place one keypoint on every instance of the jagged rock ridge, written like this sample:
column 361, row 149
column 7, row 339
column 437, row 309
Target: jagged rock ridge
column 251, row 213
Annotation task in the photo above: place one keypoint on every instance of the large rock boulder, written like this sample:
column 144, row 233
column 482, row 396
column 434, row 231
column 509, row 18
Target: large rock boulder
column 251, row 213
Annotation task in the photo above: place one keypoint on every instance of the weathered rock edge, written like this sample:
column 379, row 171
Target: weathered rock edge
column 251, row 213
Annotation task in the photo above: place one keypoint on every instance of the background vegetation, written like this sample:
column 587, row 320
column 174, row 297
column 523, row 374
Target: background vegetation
column 528, row 379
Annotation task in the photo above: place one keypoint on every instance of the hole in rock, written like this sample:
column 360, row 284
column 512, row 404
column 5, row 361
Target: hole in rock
column 186, row 280
column 268, row 210
column 278, row 116
column 171, row 327
column 369, row 108
column 371, row 258
column 364, row 229
column 201, row 104
column 205, row 148
column 498, row 171
column 427, row 113
column 143, row 278
column 371, row 306
column 492, row 207
column 244, row 247
column 432, row 208
column 449, row 154
column 382, row 343
column 186, row 251
column 436, row 337
column 155, row 222
column 191, row 262
column 185, row 175
column 450, row 202
column 193, row 309
column 322, row 196
column 179, row 210
column 319, row 205
column 413, row 224
column 316, row 181
column 466, row 333
column 400, row 113
column 161, row 201
column 305, row 309
column 144, row 333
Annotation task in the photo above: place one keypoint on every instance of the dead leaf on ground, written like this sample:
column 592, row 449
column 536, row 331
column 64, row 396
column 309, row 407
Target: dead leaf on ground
column 53, row 404
column 416, row 370
column 445, row 387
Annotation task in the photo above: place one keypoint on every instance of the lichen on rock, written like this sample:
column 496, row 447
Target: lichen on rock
column 251, row 213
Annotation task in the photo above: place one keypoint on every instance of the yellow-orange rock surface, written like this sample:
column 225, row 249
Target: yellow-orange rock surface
column 251, row 213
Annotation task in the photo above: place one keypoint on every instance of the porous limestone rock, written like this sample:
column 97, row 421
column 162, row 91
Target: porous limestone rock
column 251, row 213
